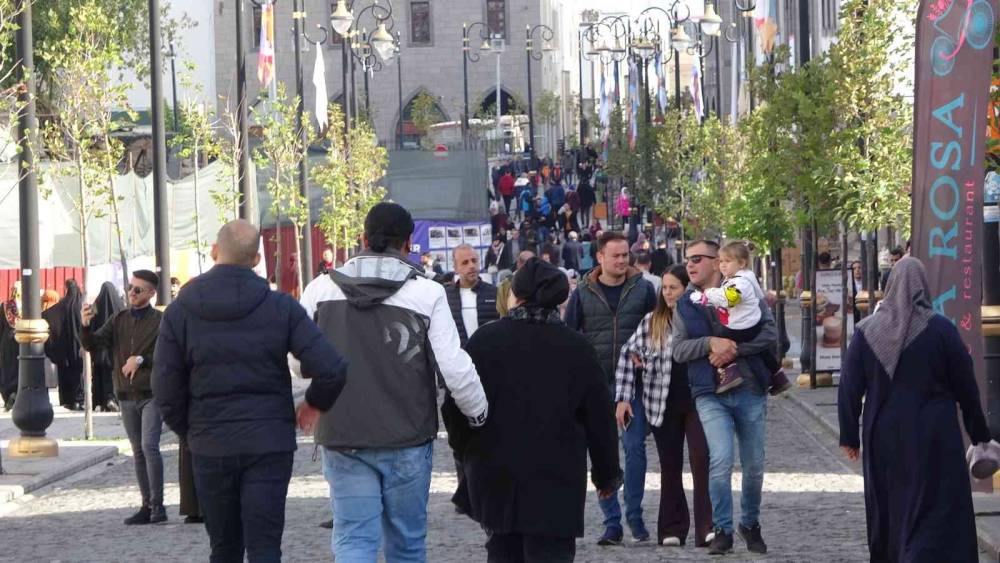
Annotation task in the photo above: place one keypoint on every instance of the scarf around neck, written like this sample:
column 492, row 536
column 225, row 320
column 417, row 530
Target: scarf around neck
column 901, row 316
column 535, row 315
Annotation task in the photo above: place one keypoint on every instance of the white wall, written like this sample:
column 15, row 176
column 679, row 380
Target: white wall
column 195, row 45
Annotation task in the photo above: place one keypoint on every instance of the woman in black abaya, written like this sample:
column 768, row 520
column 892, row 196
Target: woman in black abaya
column 63, row 345
column 910, row 367
column 102, row 364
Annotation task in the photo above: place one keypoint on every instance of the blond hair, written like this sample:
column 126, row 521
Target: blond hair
column 737, row 250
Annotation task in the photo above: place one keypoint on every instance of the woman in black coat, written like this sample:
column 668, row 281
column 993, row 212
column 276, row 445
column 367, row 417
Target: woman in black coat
column 102, row 391
column 63, row 345
column 910, row 367
column 526, row 468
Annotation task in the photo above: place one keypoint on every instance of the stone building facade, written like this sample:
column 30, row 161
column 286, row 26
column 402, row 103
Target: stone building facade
column 431, row 55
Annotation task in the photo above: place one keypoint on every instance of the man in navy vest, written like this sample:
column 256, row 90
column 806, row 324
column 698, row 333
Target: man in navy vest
column 740, row 411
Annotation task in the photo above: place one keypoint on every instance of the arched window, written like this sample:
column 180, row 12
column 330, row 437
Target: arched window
column 411, row 136
column 507, row 103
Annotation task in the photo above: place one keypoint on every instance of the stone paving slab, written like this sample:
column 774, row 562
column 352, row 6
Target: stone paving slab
column 821, row 405
column 23, row 476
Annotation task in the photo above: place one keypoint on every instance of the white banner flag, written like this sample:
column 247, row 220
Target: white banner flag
column 319, row 81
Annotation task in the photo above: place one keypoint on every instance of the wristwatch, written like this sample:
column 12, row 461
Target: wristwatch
column 139, row 360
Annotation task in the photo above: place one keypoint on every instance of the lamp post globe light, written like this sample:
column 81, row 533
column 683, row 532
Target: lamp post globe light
column 473, row 56
column 546, row 34
column 589, row 34
column 371, row 50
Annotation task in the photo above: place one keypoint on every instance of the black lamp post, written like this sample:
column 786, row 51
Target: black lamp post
column 161, row 220
column 468, row 55
column 399, row 90
column 306, row 260
column 546, row 33
column 703, row 46
column 590, row 34
column 32, row 412
column 618, row 34
column 371, row 50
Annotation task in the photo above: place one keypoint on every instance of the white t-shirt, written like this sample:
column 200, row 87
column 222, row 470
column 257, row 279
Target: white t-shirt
column 470, row 313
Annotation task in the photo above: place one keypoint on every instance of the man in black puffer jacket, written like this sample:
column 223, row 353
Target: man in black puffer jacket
column 222, row 382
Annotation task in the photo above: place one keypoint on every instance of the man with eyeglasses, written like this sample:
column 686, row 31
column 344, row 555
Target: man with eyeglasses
column 131, row 336
column 740, row 411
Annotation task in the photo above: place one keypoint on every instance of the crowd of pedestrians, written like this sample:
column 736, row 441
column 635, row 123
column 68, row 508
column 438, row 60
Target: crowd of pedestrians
column 631, row 346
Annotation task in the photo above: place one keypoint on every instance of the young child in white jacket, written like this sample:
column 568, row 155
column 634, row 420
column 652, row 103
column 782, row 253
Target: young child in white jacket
column 738, row 305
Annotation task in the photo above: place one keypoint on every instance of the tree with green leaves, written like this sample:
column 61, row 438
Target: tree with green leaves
column 81, row 131
column 226, row 195
column 52, row 22
column 869, row 153
column 84, row 100
column 281, row 149
column 547, row 112
column 424, row 113
column 350, row 176
column 197, row 141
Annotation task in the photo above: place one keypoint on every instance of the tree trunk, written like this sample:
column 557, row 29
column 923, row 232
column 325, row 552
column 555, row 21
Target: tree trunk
column 197, row 209
column 88, row 407
column 278, row 254
column 298, row 253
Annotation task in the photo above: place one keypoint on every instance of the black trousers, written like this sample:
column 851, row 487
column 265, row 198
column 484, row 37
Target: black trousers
column 516, row 548
column 70, row 382
column 185, row 478
column 242, row 499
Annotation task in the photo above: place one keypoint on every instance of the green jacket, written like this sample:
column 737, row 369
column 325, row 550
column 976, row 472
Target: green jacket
column 127, row 336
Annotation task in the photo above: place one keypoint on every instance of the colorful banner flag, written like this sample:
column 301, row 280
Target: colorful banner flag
column 696, row 95
column 633, row 103
column 319, row 81
column 605, row 113
column 265, row 54
column 661, row 84
column 951, row 103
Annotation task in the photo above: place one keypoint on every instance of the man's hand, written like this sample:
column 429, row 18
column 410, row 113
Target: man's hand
column 722, row 351
column 86, row 314
column 131, row 366
column 624, row 409
column 637, row 361
column 850, row 453
column 307, row 416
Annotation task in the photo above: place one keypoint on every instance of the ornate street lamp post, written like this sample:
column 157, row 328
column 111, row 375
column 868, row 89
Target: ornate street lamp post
column 679, row 40
column 468, row 55
column 161, row 219
column 32, row 412
column 546, row 33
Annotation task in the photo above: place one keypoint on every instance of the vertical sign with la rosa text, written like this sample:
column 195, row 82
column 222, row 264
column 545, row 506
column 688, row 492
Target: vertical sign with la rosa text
column 954, row 67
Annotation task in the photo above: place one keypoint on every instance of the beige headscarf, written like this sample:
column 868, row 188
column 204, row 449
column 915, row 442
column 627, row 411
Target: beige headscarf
column 901, row 316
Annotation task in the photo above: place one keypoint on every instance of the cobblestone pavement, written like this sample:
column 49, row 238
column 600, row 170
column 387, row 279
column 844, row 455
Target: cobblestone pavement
column 813, row 510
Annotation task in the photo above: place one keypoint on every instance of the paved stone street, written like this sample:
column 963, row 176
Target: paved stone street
column 813, row 510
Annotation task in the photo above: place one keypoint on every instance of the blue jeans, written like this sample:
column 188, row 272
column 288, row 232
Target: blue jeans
column 740, row 413
column 634, row 442
column 242, row 498
column 379, row 493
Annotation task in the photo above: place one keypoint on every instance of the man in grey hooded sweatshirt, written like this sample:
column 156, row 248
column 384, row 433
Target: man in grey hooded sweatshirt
column 397, row 332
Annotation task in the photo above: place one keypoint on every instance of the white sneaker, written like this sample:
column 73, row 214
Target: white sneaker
column 709, row 537
column 674, row 542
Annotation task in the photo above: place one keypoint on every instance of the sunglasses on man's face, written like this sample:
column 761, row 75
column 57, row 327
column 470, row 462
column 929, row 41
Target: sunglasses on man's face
column 136, row 290
column 697, row 258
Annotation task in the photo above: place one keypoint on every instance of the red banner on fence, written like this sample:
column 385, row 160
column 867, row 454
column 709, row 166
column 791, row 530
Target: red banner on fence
column 954, row 68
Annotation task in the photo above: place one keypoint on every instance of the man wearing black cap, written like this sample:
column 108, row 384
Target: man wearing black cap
column 526, row 468
column 131, row 336
column 396, row 330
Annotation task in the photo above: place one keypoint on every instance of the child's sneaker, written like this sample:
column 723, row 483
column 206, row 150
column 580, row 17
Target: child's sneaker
column 779, row 383
column 729, row 378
